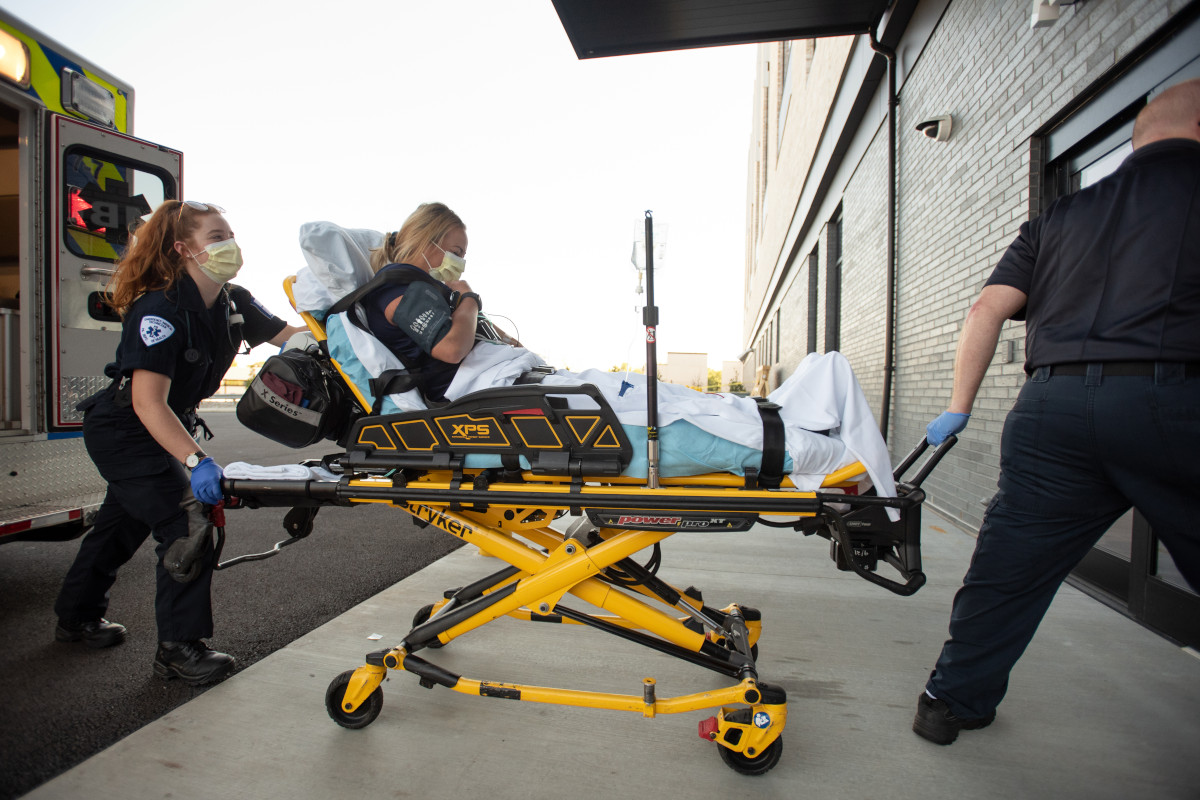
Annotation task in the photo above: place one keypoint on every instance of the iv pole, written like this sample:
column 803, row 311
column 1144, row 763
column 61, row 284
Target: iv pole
column 650, row 320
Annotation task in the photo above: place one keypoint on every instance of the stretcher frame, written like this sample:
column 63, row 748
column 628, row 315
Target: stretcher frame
column 507, row 513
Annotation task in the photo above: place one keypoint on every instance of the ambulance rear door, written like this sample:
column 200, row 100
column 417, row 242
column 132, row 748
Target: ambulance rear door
column 101, row 184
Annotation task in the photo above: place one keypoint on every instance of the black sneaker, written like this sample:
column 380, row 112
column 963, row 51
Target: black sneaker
column 935, row 722
column 192, row 662
column 95, row 633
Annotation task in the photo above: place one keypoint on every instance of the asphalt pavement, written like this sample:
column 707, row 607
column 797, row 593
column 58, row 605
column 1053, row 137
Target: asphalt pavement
column 62, row 703
column 1099, row 707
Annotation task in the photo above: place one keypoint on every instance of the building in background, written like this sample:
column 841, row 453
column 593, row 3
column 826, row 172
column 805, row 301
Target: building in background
column 685, row 369
column 731, row 376
column 994, row 117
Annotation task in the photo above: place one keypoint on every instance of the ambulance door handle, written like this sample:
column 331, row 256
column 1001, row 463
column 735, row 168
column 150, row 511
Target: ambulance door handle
column 97, row 272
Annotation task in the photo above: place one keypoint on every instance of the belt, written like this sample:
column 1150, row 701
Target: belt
column 1127, row 369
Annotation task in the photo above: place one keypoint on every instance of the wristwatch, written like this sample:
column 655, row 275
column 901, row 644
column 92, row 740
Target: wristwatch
column 473, row 296
column 193, row 460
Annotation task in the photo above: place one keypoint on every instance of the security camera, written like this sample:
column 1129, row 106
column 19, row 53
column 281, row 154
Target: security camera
column 937, row 128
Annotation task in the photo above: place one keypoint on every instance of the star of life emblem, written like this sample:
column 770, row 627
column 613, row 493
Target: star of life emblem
column 155, row 329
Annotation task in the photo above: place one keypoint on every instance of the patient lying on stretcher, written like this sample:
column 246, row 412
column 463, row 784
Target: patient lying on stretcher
column 420, row 319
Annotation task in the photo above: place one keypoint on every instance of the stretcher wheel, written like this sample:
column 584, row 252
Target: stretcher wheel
column 759, row 765
column 360, row 717
column 420, row 618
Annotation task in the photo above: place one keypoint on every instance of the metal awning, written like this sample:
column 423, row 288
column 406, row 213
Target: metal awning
column 599, row 28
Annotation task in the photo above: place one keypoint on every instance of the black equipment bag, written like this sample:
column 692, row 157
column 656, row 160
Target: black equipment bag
column 297, row 399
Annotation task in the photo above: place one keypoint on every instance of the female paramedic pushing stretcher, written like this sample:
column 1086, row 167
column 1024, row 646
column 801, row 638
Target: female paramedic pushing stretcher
column 182, row 325
column 428, row 327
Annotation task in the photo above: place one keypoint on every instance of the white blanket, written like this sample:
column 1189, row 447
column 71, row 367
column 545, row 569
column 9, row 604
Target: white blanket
column 822, row 395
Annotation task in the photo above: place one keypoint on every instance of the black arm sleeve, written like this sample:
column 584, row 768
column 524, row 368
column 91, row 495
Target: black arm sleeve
column 259, row 325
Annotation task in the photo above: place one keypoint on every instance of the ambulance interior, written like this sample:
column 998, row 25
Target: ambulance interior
column 10, row 340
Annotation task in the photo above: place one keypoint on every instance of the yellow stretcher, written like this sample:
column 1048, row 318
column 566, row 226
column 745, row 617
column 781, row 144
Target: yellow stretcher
column 560, row 464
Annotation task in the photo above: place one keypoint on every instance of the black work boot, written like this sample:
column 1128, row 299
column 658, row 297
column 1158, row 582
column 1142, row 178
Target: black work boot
column 935, row 722
column 191, row 662
column 95, row 633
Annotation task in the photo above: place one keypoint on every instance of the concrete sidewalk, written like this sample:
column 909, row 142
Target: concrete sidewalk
column 1098, row 708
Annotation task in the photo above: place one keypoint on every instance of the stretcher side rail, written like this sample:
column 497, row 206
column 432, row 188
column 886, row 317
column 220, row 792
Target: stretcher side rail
column 525, row 421
column 348, row 491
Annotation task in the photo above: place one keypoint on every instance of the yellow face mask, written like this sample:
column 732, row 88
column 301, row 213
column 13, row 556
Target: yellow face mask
column 451, row 268
column 224, row 261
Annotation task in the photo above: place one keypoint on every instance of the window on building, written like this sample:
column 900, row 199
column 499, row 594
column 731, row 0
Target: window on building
column 785, row 91
column 833, row 283
column 814, row 288
column 778, row 333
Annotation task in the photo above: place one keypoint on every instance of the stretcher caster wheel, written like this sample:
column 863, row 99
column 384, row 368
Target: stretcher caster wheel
column 420, row 618
column 360, row 717
column 758, row 765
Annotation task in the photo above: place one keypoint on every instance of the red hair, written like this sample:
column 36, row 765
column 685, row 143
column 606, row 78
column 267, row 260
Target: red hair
column 150, row 262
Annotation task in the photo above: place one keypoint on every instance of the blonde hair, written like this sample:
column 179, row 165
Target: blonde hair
column 427, row 225
column 150, row 262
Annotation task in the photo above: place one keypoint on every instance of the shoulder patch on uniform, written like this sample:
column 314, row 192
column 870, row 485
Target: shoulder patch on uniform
column 155, row 329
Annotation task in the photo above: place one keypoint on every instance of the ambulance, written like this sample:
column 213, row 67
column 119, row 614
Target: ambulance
column 73, row 180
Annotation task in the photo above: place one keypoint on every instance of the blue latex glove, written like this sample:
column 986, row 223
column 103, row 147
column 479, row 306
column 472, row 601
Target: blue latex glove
column 206, row 482
column 947, row 424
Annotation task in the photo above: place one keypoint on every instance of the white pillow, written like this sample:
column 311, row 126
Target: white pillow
column 339, row 258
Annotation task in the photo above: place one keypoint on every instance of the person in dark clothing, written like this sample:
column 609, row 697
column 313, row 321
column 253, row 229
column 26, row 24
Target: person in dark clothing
column 432, row 332
column 182, row 324
column 1107, row 281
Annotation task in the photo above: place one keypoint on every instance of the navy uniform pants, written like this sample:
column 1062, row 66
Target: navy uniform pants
column 134, row 508
column 1077, row 452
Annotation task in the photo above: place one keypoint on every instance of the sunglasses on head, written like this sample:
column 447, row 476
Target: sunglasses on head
column 197, row 206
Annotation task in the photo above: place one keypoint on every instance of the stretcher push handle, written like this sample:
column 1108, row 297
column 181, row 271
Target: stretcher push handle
column 927, row 468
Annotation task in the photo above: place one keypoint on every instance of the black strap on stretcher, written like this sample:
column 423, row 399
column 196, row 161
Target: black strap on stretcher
column 387, row 277
column 770, row 472
column 392, row 381
column 395, row 381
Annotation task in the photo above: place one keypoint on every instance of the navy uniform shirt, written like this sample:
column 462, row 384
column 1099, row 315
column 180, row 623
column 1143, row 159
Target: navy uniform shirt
column 170, row 332
column 435, row 375
column 1112, row 272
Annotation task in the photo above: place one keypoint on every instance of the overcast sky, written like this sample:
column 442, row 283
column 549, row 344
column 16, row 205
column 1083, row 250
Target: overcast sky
column 356, row 112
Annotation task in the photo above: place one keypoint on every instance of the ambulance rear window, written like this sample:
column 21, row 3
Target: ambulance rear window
column 105, row 196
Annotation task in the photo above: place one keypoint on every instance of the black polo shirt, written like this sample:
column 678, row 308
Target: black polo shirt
column 170, row 332
column 1112, row 272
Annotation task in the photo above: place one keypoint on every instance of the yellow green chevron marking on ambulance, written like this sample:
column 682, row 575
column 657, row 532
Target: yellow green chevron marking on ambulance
column 45, row 68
